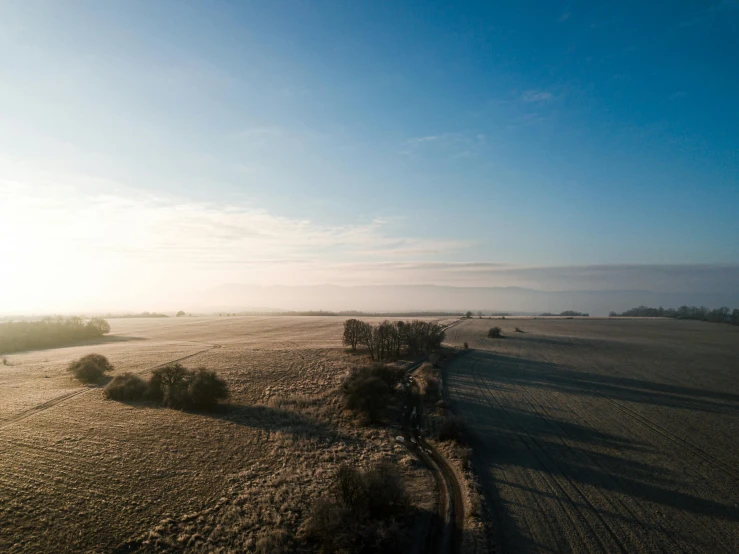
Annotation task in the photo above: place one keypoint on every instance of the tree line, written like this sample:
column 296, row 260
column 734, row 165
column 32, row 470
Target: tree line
column 566, row 313
column 718, row 315
column 49, row 332
column 391, row 339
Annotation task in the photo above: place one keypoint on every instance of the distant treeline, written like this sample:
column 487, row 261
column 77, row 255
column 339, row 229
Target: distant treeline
column 567, row 313
column 142, row 314
column 718, row 315
column 49, row 333
column 391, row 339
column 351, row 313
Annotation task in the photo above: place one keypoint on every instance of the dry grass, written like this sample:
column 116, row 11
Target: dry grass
column 89, row 474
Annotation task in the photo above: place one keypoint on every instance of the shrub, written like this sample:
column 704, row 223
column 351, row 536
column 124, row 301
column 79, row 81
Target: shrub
column 494, row 333
column 205, row 389
column 453, row 428
column 360, row 511
column 126, row 387
column 168, row 385
column 368, row 390
column 5, row 361
column 90, row 368
column 466, row 345
column 175, row 386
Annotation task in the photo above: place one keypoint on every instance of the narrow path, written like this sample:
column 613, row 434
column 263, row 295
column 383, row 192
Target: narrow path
column 447, row 527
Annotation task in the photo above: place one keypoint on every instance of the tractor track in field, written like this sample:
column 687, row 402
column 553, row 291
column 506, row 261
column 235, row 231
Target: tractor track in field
column 68, row 396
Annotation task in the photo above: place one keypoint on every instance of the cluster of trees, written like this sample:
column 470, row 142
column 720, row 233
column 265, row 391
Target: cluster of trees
column 173, row 386
column 49, row 332
column 567, row 313
column 718, row 315
column 391, row 339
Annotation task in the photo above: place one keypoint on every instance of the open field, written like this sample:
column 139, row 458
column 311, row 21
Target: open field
column 604, row 435
column 80, row 473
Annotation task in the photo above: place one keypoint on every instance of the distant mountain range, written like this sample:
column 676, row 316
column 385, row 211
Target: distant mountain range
column 407, row 298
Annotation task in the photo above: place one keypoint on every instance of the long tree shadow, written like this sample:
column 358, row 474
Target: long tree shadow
column 520, row 432
column 512, row 370
column 262, row 417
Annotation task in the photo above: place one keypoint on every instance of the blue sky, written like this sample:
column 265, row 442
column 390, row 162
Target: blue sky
column 532, row 134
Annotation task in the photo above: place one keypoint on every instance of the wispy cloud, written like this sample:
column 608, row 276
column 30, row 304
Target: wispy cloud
column 675, row 278
column 536, row 96
column 153, row 227
column 677, row 95
column 450, row 145
column 69, row 240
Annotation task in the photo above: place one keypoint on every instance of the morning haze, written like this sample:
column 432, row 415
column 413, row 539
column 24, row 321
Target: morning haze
column 369, row 277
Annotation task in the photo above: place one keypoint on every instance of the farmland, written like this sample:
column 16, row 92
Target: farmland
column 81, row 473
column 597, row 435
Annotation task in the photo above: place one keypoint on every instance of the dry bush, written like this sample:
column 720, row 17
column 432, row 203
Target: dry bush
column 429, row 381
column 205, row 389
column 495, row 333
column 368, row 390
column 91, row 368
column 173, row 386
column 126, row 387
column 453, row 428
column 168, row 385
column 466, row 345
column 361, row 512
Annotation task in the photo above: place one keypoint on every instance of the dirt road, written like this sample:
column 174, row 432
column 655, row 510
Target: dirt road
column 604, row 436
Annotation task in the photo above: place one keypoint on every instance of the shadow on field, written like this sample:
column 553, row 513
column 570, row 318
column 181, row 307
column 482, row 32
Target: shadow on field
column 520, row 428
column 261, row 417
column 107, row 339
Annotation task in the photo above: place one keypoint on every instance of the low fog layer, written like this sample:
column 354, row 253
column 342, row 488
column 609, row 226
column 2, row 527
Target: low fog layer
column 443, row 298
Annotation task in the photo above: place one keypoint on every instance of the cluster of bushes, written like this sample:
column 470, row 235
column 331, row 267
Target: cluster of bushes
column 391, row 339
column 173, row 386
column 362, row 512
column 495, row 332
column 368, row 390
column 566, row 313
column 718, row 315
column 91, row 368
column 49, row 332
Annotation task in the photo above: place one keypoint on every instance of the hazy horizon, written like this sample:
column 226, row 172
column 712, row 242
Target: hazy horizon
column 152, row 152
